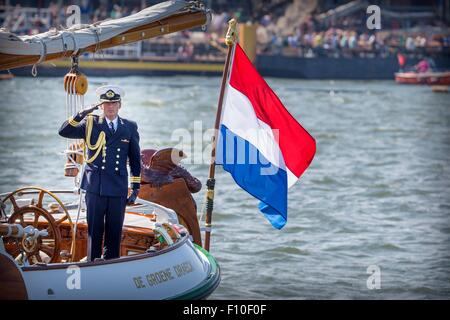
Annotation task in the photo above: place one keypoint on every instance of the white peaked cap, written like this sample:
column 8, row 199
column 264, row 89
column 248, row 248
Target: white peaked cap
column 110, row 93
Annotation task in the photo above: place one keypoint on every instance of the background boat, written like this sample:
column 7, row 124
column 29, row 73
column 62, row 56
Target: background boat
column 428, row 78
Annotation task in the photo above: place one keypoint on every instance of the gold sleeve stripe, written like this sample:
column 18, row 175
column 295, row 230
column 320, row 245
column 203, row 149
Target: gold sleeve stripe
column 72, row 122
column 135, row 179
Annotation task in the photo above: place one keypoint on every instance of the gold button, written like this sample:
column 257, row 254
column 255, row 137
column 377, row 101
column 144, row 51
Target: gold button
column 118, row 156
column 103, row 167
column 117, row 169
column 117, row 162
column 103, row 160
column 118, row 149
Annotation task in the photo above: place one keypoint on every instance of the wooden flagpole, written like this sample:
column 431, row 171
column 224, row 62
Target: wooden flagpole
column 210, row 183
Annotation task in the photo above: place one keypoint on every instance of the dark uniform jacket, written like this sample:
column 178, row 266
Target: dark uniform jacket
column 108, row 176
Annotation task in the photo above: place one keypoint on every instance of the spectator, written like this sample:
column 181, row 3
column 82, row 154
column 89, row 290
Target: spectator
column 410, row 45
column 423, row 66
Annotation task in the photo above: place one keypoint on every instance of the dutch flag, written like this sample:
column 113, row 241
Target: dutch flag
column 260, row 143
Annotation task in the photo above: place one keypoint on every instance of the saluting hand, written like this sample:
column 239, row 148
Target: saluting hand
column 85, row 112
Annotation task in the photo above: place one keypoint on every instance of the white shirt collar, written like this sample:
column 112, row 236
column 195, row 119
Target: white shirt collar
column 115, row 121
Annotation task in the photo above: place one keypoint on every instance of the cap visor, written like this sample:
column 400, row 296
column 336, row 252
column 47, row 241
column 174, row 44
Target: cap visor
column 106, row 100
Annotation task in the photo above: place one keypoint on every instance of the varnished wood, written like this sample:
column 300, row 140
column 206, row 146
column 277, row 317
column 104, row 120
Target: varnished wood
column 53, row 230
column 137, row 239
column 177, row 197
column 40, row 199
column 212, row 165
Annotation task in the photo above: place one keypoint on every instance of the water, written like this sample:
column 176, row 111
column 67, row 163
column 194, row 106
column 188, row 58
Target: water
column 377, row 192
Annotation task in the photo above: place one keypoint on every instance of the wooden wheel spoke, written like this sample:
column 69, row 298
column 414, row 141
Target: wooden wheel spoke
column 58, row 222
column 14, row 203
column 36, row 219
column 36, row 255
column 22, row 222
column 46, row 245
column 40, row 199
column 50, row 234
column 47, row 250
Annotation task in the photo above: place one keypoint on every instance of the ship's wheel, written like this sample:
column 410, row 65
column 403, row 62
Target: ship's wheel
column 45, row 248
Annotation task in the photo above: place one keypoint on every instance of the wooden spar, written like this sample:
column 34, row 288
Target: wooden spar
column 230, row 40
column 168, row 25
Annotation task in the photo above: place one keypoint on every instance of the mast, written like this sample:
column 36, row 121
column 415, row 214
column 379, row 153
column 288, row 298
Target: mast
column 210, row 183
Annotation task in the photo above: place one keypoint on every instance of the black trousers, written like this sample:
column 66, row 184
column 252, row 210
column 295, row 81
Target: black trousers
column 104, row 216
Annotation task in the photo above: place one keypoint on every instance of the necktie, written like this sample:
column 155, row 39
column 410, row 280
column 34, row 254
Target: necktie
column 111, row 126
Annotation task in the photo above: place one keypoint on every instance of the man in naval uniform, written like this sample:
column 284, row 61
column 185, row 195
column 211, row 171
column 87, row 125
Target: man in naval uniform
column 105, row 179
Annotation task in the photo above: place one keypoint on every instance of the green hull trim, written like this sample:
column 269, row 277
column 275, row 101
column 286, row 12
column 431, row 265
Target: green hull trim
column 207, row 286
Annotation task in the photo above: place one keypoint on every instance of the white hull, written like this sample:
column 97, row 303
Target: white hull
column 163, row 275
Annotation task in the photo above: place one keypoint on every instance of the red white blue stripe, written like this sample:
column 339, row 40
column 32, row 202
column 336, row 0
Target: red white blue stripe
column 260, row 143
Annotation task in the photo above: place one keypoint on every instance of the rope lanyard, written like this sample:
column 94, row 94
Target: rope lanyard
column 98, row 146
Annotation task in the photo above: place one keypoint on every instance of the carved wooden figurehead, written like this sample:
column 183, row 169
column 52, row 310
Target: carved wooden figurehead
column 166, row 183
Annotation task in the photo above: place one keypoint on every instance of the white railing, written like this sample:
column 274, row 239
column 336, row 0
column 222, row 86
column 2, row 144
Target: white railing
column 125, row 52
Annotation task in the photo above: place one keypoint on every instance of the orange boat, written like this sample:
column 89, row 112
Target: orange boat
column 429, row 78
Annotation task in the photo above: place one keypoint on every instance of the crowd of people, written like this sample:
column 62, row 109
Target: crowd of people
column 347, row 37
column 310, row 39
column 29, row 22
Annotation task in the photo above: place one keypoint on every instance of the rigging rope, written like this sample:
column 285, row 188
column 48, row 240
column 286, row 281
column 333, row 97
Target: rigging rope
column 75, row 85
column 41, row 58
